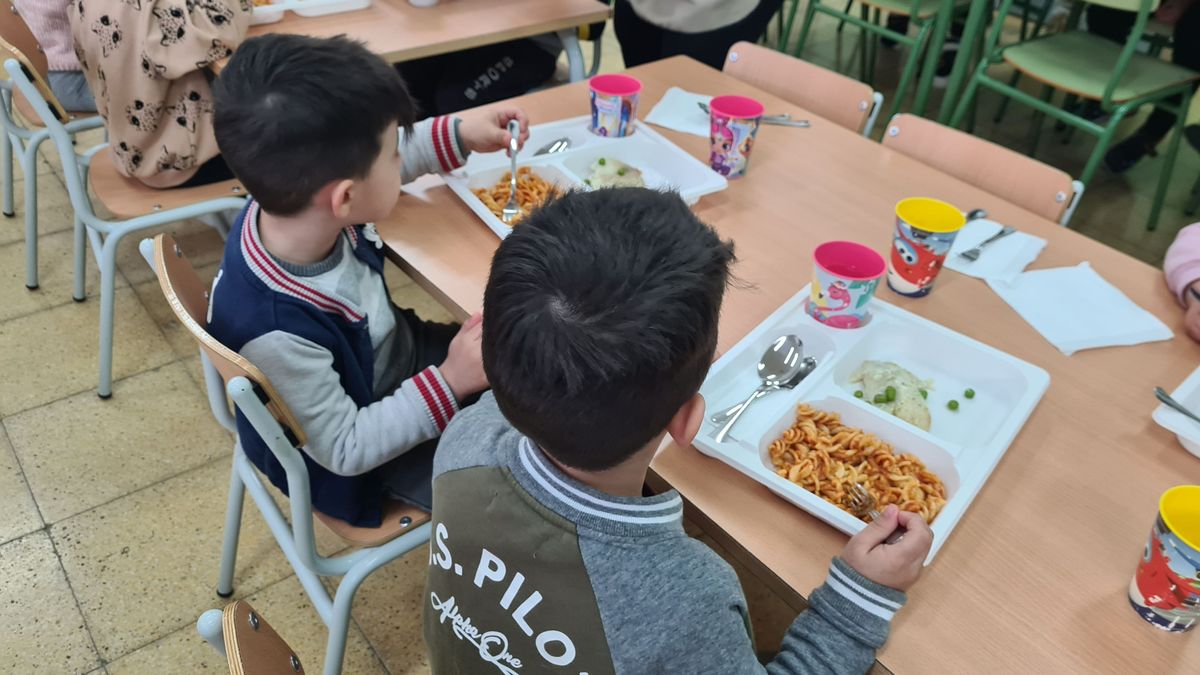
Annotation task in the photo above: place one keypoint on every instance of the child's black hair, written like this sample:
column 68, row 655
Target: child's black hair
column 294, row 113
column 600, row 320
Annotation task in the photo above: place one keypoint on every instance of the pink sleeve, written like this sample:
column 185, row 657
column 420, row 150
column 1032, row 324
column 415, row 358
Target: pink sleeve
column 1182, row 265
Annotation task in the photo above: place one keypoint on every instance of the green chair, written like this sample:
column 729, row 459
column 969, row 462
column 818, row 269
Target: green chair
column 1089, row 67
column 931, row 18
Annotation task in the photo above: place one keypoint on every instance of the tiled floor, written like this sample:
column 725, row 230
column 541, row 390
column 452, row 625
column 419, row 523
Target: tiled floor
column 112, row 510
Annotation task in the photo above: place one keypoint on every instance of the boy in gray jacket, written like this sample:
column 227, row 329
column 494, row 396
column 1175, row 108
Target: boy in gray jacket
column 601, row 321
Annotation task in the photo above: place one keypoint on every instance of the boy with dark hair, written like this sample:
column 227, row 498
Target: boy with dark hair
column 602, row 311
column 312, row 127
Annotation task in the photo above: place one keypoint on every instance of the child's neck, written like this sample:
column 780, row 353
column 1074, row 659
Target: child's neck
column 303, row 239
column 623, row 480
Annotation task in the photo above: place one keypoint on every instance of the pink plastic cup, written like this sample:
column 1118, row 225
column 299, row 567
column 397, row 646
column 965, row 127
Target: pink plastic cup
column 845, row 276
column 733, row 125
column 614, row 104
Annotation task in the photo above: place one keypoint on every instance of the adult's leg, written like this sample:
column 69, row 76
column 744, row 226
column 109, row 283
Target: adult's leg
column 711, row 46
column 494, row 73
column 641, row 41
column 1110, row 23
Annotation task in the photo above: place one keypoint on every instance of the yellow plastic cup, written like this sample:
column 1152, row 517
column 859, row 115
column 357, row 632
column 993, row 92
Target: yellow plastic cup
column 925, row 231
column 1165, row 590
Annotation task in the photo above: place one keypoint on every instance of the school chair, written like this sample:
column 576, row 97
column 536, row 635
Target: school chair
column 1011, row 176
column 134, row 205
column 839, row 99
column 248, row 643
column 1089, row 67
column 227, row 372
column 28, row 135
column 925, row 15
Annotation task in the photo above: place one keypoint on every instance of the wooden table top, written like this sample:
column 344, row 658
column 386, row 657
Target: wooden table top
column 397, row 31
column 1034, row 577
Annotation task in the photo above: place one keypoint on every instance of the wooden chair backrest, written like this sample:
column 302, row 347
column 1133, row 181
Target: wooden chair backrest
column 252, row 647
column 188, row 298
column 839, row 99
column 19, row 42
column 1024, row 181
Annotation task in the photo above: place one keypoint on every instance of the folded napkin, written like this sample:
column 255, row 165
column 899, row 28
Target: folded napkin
column 680, row 110
column 1002, row 260
column 1075, row 308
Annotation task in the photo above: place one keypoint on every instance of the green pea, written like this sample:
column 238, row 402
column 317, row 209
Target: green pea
column 880, row 398
column 858, row 393
column 588, row 181
column 600, row 161
column 620, row 172
column 970, row 393
column 953, row 405
column 890, row 393
column 924, row 394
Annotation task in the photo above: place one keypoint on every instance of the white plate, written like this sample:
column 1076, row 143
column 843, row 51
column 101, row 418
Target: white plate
column 962, row 446
column 663, row 164
column 274, row 12
column 1185, row 429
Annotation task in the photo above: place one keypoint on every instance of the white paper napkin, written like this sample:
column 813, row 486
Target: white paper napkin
column 1075, row 308
column 1002, row 260
column 680, row 110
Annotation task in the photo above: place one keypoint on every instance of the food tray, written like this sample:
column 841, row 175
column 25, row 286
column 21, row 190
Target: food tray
column 962, row 446
column 270, row 13
column 663, row 164
column 1186, row 430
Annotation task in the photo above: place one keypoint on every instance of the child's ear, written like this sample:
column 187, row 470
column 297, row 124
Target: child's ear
column 341, row 196
column 684, row 426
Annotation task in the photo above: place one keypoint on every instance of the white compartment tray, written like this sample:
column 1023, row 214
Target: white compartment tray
column 274, row 11
column 663, row 164
column 1185, row 429
column 962, row 446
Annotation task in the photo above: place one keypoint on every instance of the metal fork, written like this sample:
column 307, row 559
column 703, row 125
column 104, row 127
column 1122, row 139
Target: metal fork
column 512, row 209
column 863, row 504
column 973, row 254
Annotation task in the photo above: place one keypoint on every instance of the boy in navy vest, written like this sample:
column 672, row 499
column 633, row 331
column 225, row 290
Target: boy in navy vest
column 323, row 133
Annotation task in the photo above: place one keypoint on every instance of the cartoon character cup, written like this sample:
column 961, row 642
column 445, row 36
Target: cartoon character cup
column 614, row 104
column 845, row 276
column 1165, row 590
column 733, row 123
column 925, row 229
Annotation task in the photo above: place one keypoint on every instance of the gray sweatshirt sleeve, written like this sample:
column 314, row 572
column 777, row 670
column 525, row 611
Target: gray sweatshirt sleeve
column 433, row 146
column 342, row 437
column 847, row 620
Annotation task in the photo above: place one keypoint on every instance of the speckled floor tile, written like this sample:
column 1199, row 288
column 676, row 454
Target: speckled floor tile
column 285, row 607
column 162, row 543
column 16, row 501
column 54, row 210
column 55, row 276
column 200, row 243
column 412, row 296
column 388, row 609
column 158, row 426
column 43, row 629
column 55, row 353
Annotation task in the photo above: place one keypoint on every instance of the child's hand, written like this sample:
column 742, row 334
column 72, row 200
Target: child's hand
column 895, row 565
column 1191, row 319
column 463, row 367
column 488, row 131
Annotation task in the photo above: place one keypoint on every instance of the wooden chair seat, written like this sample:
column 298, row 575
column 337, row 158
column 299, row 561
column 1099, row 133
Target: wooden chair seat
column 398, row 518
column 252, row 647
column 128, row 198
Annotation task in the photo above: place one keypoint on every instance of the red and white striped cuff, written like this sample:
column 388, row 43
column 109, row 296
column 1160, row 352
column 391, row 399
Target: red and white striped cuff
column 439, row 400
column 445, row 144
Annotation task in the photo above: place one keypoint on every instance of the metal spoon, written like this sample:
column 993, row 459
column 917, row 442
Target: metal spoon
column 976, row 214
column 512, row 209
column 1163, row 396
column 557, row 145
column 784, row 120
column 808, row 365
column 779, row 363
